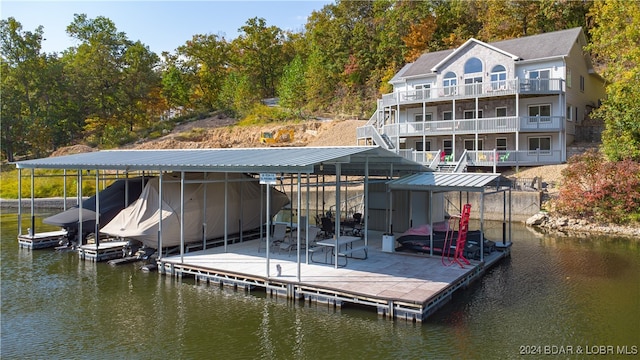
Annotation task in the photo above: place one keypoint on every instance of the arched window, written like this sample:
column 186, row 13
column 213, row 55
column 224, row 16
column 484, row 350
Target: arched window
column 498, row 77
column 450, row 83
column 473, row 65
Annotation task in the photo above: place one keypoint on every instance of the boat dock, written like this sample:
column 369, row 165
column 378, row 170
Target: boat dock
column 42, row 240
column 398, row 285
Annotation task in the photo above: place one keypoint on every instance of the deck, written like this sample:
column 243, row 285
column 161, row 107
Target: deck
column 399, row 285
column 107, row 250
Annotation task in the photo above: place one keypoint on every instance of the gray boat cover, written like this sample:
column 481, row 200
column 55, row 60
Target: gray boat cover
column 112, row 201
column 204, row 208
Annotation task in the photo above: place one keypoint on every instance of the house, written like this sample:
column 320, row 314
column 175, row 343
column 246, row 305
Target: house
column 509, row 103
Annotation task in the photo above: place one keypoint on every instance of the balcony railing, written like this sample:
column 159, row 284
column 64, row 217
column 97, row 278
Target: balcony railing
column 490, row 158
column 472, row 126
column 487, row 89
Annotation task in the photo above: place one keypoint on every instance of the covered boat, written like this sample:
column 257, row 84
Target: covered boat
column 204, row 208
column 112, row 200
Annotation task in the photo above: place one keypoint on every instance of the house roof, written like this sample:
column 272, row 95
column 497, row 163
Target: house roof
column 353, row 159
column 541, row 46
column 439, row 182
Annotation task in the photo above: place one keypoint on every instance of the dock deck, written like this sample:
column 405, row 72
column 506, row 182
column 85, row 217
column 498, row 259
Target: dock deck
column 42, row 240
column 107, row 250
column 399, row 285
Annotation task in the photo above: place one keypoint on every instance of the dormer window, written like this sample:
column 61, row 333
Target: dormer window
column 450, row 83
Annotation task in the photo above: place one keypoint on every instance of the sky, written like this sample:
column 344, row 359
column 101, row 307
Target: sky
column 161, row 25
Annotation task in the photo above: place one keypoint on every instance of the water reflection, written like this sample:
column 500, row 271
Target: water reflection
column 552, row 291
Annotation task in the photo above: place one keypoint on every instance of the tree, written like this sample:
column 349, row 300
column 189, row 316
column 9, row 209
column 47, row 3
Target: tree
column 616, row 46
column 259, row 55
column 21, row 65
column 291, row 89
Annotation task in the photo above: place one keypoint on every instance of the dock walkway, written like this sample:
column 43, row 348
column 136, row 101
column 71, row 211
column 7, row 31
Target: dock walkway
column 400, row 285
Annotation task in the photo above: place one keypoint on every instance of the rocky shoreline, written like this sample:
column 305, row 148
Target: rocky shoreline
column 579, row 227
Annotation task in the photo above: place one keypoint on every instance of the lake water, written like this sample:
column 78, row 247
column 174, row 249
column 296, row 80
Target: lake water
column 561, row 296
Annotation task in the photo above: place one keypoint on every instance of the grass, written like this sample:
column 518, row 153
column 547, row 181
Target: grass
column 47, row 183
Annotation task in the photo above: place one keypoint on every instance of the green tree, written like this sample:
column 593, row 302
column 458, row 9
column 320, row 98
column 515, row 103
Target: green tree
column 260, row 56
column 291, row 89
column 21, row 63
column 203, row 63
column 616, row 46
column 96, row 74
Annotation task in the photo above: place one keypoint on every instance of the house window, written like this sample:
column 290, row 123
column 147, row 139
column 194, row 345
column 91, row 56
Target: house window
column 540, row 143
column 447, row 115
column 568, row 79
column 426, row 146
column 500, row 113
column 473, row 65
column 581, row 83
column 498, row 78
column 539, row 113
column 425, row 117
column 501, row 144
column 423, row 91
column 471, row 114
column 569, row 113
column 450, row 84
column 470, row 144
column 447, row 146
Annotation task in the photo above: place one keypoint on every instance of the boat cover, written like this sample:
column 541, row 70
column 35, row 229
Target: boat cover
column 112, row 201
column 204, row 207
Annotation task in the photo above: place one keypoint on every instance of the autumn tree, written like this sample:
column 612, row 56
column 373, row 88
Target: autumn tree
column 616, row 46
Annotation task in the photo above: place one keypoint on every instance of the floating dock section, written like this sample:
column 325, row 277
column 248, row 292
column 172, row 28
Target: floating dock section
column 398, row 285
column 42, row 240
column 107, row 250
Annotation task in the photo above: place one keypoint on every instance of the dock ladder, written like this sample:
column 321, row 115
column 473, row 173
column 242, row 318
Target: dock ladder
column 461, row 241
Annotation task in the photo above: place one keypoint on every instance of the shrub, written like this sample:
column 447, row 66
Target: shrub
column 601, row 190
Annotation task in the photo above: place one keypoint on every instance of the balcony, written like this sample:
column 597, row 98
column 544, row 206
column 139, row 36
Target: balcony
column 489, row 158
column 464, row 91
column 472, row 126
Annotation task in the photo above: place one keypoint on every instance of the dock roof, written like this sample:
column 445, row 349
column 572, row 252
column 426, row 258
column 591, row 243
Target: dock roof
column 439, row 182
column 318, row 160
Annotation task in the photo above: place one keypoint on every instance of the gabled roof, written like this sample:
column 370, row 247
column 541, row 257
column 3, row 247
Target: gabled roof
column 468, row 43
column 541, row 46
column 353, row 159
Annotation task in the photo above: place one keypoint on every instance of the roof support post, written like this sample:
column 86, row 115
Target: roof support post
column 226, row 209
column 482, row 226
column 365, row 198
column 160, row 215
column 307, row 224
column 64, row 190
column 204, row 212
column 431, row 223
column 97, row 227
column 268, row 225
column 19, row 201
column 80, row 220
column 33, row 204
column 337, row 232
column 181, row 216
column 299, row 204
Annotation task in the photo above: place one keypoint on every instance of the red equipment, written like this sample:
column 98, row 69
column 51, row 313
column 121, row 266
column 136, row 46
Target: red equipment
column 461, row 242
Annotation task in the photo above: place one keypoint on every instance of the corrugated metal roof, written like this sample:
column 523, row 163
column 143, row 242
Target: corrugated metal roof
column 282, row 159
column 435, row 181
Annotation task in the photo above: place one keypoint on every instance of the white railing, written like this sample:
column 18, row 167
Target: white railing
column 487, row 158
column 472, row 126
column 485, row 89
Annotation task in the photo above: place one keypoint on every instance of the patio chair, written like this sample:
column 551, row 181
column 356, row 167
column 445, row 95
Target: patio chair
column 278, row 235
column 292, row 244
column 326, row 227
